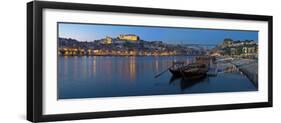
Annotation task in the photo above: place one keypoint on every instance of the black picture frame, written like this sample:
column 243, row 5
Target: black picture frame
column 35, row 69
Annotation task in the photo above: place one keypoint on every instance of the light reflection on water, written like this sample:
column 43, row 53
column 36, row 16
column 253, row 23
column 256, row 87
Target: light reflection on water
column 110, row 76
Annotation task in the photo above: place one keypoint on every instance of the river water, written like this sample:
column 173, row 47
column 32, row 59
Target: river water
column 114, row 76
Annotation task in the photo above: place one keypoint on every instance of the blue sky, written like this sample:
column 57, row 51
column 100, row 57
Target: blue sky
column 91, row 32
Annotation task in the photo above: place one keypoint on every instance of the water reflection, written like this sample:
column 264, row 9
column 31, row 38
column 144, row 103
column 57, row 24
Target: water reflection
column 108, row 76
column 132, row 68
column 185, row 83
column 94, row 66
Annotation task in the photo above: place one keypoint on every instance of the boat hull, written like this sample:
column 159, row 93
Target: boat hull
column 196, row 71
column 191, row 71
column 175, row 72
column 191, row 75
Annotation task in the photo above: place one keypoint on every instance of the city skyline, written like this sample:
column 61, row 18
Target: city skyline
column 171, row 35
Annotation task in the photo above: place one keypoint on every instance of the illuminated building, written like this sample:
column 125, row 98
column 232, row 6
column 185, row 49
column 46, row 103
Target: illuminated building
column 129, row 37
column 107, row 40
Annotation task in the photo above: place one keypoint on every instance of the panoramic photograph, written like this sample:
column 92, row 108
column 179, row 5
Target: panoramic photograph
column 105, row 60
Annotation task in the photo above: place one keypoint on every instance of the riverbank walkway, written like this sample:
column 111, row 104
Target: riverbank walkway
column 248, row 67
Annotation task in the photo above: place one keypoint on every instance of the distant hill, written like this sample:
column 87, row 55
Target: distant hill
column 68, row 42
column 151, row 47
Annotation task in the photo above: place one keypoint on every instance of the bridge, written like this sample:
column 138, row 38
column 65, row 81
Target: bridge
column 201, row 46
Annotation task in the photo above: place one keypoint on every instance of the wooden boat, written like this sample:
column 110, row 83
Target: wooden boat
column 177, row 68
column 195, row 71
column 203, row 57
column 175, row 71
column 190, row 71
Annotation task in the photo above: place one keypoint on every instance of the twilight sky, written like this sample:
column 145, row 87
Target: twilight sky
column 91, row 32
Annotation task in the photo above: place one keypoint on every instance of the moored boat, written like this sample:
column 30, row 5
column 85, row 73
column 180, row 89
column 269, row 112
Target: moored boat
column 190, row 71
column 175, row 71
column 195, row 71
column 177, row 68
